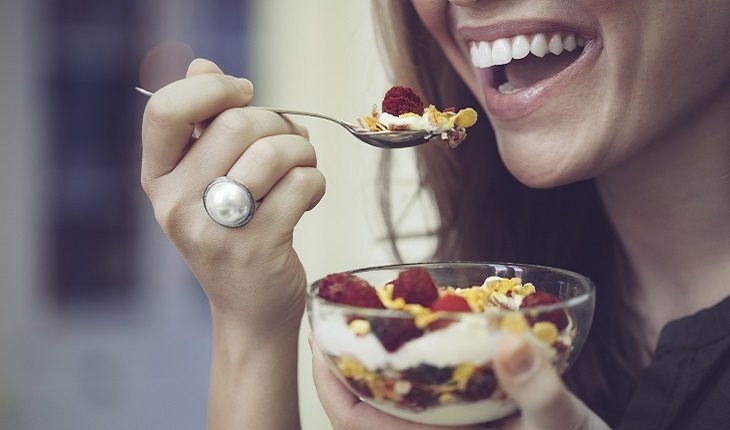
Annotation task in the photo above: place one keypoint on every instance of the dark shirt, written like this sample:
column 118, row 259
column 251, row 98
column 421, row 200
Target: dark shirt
column 687, row 385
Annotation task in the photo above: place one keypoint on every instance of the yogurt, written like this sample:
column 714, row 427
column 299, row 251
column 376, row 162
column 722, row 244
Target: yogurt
column 472, row 339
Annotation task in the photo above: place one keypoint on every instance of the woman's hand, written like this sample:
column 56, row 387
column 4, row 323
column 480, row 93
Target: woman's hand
column 251, row 274
column 529, row 379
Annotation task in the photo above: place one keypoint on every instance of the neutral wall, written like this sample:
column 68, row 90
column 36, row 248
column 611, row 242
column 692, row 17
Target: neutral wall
column 5, row 191
column 16, row 204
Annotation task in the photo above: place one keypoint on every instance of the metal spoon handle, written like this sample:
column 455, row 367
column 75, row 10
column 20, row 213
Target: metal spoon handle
column 279, row 111
column 301, row 113
column 143, row 91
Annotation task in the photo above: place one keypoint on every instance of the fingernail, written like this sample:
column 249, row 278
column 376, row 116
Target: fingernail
column 521, row 357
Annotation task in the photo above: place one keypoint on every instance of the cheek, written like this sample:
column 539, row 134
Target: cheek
column 431, row 13
column 436, row 16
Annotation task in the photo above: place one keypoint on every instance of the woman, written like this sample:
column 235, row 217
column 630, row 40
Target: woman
column 613, row 159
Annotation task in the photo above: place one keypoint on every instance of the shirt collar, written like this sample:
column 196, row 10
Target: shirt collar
column 698, row 330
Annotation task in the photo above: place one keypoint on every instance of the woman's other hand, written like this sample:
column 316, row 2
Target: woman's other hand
column 529, row 379
column 252, row 276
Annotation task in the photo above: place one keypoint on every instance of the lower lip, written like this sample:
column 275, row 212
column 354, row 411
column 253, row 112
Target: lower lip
column 514, row 106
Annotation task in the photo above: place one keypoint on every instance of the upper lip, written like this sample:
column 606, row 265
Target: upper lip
column 507, row 29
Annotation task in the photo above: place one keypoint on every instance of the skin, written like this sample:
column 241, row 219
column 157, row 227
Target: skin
column 663, row 170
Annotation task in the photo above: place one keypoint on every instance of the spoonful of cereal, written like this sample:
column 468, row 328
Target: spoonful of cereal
column 403, row 111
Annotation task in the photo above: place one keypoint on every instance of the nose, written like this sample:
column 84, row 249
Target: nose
column 463, row 2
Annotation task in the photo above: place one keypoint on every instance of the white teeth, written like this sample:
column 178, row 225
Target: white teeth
column 484, row 55
column 569, row 42
column 539, row 45
column 501, row 52
column 474, row 54
column 520, row 47
column 556, row 44
column 507, row 88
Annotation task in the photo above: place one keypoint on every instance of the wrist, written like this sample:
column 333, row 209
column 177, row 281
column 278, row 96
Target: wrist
column 236, row 335
column 251, row 371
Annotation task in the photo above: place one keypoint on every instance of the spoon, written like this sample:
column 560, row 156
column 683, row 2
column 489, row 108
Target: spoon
column 380, row 139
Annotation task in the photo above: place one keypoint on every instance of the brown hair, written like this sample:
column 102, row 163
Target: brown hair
column 486, row 214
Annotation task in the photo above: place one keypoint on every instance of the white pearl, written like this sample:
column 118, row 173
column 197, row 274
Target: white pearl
column 228, row 203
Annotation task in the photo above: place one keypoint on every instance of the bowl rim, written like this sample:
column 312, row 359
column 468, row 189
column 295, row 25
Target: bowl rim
column 588, row 295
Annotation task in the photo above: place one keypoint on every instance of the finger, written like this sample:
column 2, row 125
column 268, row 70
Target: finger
column 295, row 193
column 268, row 159
column 532, row 382
column 229, row 136
column 171, row 113
column 201, row 66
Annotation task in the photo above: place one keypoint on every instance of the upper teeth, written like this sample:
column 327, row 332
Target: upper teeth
column 502, row 51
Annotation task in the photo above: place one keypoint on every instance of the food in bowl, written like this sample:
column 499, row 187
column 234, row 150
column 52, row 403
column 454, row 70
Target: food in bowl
column 404, row 110
column 422, row 350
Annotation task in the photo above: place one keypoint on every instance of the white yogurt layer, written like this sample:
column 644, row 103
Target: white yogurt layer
column 413, row 122
column 469, row 340
column 452, row 415
column 410, row 121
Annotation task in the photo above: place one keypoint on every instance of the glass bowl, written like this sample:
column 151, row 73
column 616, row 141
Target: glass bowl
column 441, row 373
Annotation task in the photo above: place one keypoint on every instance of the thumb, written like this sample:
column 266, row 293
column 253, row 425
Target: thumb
column 532, row 382
column 200, row 65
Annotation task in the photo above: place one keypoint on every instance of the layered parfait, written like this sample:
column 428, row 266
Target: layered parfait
column 422, row 351
column 403, row 109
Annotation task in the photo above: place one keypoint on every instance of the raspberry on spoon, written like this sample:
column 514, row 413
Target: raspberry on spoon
column 400, row 100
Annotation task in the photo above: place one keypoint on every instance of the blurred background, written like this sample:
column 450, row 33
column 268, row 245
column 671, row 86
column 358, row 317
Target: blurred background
column 101, row 324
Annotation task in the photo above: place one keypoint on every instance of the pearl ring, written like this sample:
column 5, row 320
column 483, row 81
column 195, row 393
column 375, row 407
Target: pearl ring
column 228, row 202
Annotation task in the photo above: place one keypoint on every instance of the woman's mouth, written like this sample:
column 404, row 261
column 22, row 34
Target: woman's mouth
column 518, row 73
column 520, row 61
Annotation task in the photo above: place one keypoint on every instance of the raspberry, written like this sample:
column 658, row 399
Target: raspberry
column 360, row 387
column 426, row 374
column 561, row 348
column 481, row 385
column 350, row 290
column 440, row 323
column 415, row 286
column 540, row 298
column 451, row 303
column 400, row 100
column 394, row 332
column 420, row 398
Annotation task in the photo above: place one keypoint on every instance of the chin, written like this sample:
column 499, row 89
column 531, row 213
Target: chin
column 543, row 162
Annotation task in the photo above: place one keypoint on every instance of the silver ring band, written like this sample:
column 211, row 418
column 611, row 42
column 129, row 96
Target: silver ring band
column 228, row 202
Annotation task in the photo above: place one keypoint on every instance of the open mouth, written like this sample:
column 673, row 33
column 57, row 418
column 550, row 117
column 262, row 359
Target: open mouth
column 521, row 61
column 524, row 70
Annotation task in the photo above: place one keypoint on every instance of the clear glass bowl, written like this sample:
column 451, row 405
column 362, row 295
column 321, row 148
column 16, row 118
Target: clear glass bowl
column 441, row 374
